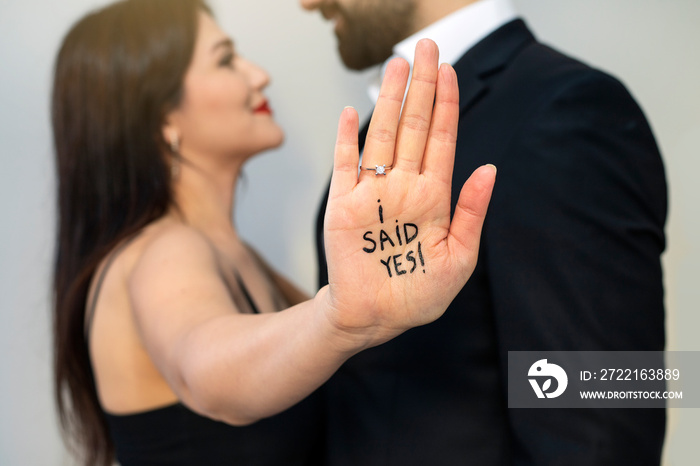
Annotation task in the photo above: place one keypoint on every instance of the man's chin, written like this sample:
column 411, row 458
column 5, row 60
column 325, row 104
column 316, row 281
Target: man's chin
column 356, row 61
column 352, row 63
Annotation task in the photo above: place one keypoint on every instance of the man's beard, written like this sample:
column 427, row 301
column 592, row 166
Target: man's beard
column 371, row 28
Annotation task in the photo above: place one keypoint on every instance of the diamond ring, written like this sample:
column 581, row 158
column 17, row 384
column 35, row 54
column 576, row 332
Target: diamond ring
column 379, row 169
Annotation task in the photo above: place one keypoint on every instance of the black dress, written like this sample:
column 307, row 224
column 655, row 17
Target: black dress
column 176, row 435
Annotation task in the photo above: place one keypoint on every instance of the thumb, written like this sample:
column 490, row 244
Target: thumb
column 468, row 220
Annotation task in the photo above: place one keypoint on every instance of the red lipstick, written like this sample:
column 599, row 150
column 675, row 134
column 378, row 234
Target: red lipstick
column 263, row 108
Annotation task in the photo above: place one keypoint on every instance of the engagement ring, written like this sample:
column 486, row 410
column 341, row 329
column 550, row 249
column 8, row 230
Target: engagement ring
column 379, row 169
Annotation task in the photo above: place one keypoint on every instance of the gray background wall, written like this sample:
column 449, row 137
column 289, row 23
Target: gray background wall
column 652, row 45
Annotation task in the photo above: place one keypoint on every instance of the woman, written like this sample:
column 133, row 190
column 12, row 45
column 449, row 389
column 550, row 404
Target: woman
column 168, row 346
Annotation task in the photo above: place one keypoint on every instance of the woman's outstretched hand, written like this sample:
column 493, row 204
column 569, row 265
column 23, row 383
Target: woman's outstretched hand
column 395, row 260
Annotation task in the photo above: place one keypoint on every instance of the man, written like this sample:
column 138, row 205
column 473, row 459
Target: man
column 569, row 259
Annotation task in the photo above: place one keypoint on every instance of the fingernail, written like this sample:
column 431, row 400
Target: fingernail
column 447, row 71
column 349, row 106
column 495, row 170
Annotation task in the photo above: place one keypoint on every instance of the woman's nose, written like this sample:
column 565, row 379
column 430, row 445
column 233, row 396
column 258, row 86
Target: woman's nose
column 310, row 4
column 257, row 76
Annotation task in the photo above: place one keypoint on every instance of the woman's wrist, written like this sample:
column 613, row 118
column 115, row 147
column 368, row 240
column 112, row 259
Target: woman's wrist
column 345, row 337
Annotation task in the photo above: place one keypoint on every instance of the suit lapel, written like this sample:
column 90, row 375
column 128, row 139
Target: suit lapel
column 487, row 58
column 471, row 87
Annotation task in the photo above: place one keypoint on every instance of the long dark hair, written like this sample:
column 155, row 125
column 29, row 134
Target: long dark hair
column 118, row 72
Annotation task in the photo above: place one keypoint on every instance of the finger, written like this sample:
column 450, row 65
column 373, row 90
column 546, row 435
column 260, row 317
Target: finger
column 381, row 136
column 439, row 157
column 468, row 220
column 346, row 155
column 417, row 112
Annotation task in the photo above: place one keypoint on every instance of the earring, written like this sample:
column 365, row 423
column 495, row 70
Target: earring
column 175, row 150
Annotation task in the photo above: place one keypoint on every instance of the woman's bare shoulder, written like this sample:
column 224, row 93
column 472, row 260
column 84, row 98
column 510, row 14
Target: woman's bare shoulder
column 167, row 243
column 174, row 266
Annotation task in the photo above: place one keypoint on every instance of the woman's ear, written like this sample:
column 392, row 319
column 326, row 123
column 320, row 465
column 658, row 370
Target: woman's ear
column 171, row 135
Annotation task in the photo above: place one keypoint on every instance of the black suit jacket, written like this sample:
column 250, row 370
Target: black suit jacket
column 569, row 260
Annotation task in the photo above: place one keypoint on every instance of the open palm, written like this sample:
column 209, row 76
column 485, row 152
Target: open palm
column 395, row 260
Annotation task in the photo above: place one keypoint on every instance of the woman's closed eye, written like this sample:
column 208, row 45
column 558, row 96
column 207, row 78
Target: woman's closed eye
column 227, row 60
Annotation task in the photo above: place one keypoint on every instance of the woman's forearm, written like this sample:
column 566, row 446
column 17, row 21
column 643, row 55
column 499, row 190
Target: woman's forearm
column 242, row 368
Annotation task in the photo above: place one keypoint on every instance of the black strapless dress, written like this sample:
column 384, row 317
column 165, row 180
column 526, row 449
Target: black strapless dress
column 175, row 435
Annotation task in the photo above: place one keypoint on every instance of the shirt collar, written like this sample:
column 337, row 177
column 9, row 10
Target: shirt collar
column 454, row 34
